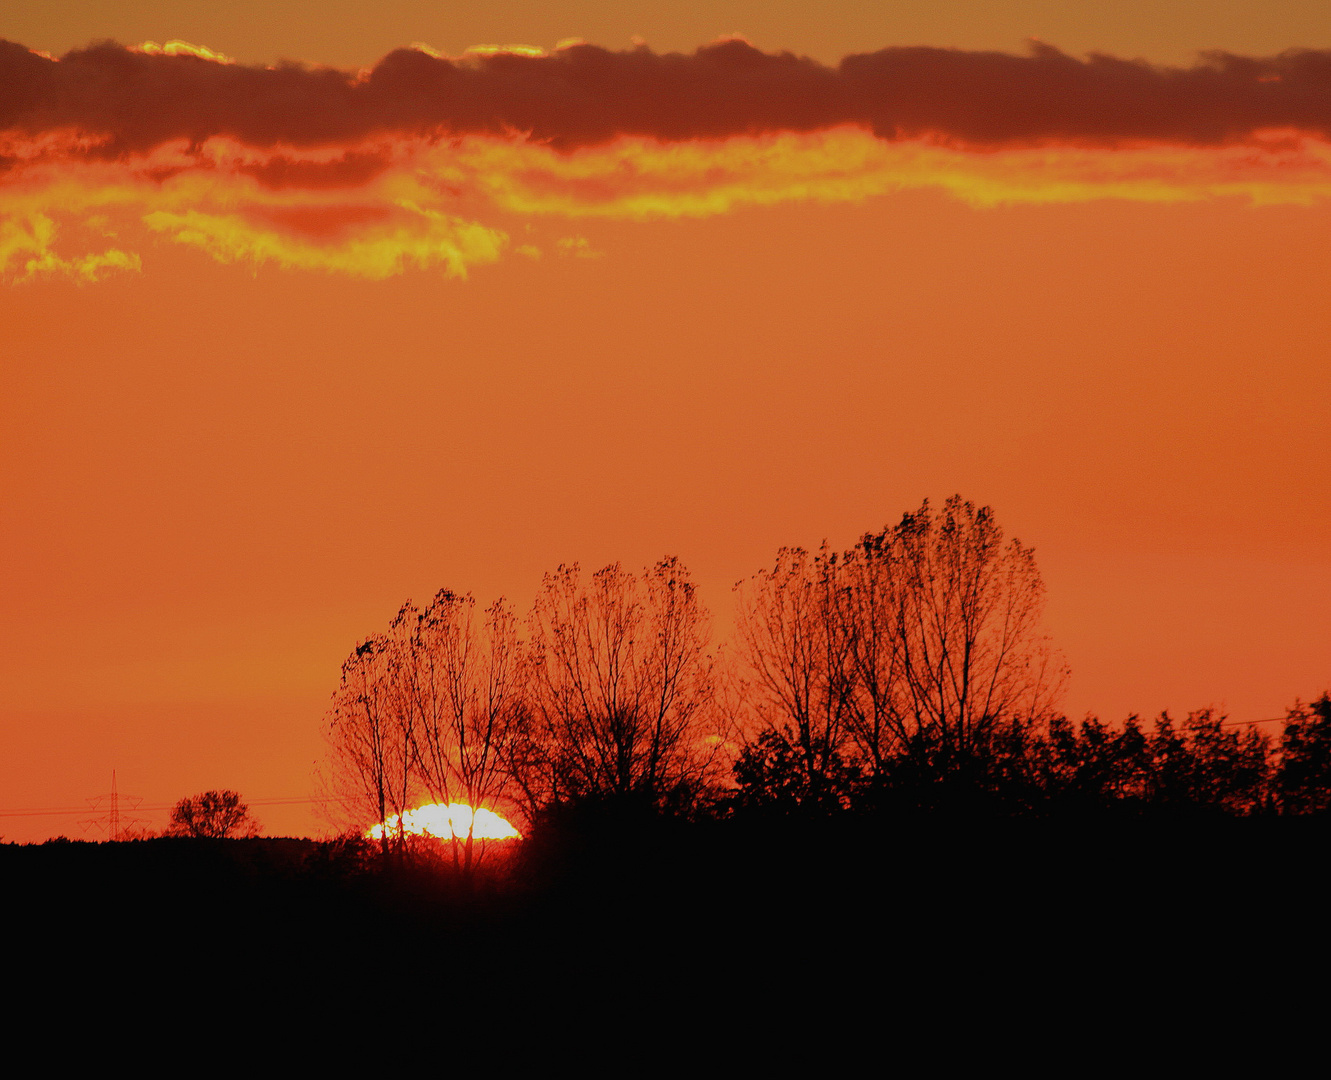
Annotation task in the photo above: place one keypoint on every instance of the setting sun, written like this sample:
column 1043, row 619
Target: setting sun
column 455, row 820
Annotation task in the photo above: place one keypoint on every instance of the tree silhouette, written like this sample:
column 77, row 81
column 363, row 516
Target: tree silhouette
column 795, row 647
column 214, row 815
column 423, row 713
column 1093, row 767
column 371, row 771
column 908, row 672
column 608, row 699
column 921, row 642
column 1205, row 764
column 621, row 684
column 464, row 685
column 964, row 612
column 772, row 775
column 1303, row 776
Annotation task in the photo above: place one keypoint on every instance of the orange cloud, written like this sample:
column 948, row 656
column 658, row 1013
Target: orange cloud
column 412, row 163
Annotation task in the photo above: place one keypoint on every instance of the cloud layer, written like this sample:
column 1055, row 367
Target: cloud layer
column 414, row 161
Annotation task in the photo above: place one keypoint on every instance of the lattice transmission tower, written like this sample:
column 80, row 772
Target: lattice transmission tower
column 108, row 815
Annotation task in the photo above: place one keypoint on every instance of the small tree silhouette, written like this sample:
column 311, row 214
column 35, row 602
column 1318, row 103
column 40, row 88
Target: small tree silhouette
column 213, row 814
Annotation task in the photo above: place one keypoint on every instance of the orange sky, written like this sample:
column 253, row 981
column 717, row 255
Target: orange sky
column 218, row 476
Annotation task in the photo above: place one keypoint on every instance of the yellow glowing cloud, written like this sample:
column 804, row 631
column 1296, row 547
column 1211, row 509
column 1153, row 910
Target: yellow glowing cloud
column 505, row 50
column 26, row 243
column 209, row 198
column 636, row 178
column 427, row 238
column 176, row 47
column 381, row 207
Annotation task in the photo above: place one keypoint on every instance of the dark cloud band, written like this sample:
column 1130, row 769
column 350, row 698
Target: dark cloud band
column 586, row 95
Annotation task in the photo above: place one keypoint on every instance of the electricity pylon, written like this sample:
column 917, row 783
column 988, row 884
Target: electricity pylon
column 107, row 815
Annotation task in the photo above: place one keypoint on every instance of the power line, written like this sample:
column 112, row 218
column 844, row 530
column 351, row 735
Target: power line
column 52, row 811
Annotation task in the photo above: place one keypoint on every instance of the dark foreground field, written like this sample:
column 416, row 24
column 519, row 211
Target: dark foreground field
column 657, row 909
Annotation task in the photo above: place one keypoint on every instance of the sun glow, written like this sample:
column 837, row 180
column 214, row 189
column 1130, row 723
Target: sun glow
column 455, row 820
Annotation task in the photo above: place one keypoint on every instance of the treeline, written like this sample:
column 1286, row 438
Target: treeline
column 909, row 673
column 1058, row 768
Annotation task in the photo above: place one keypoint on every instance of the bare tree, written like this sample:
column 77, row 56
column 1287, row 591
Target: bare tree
column 424, row 713
column 967, row 610
column 465, row 689
column 369, row 729
column 925, row 634
column 791, row 631
column 878, row 716
column 621, row 682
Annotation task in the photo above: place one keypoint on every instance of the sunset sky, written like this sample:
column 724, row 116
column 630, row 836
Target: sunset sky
column 285, row 345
